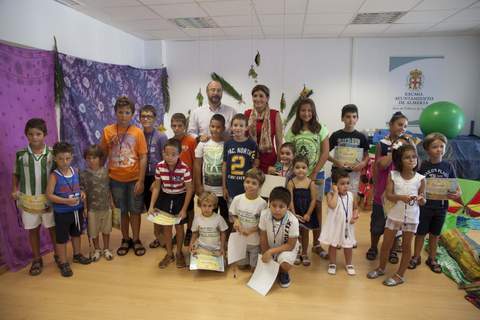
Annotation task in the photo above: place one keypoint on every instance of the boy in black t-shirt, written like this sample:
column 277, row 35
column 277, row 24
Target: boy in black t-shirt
column 349, row 137
column 432, row 214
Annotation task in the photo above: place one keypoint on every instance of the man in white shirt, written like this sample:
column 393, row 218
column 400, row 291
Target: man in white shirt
column 200, row 117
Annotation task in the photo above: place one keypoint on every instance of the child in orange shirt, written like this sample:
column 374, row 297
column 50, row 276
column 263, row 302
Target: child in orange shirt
column 126, row 148
column 178, row 123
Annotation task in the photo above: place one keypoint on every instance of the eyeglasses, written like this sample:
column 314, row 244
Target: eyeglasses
column 147, row 117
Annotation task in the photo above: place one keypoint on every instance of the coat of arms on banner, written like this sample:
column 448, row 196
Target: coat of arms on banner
column 415, row 80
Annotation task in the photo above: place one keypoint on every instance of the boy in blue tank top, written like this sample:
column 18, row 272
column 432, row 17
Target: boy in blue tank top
column 63, row 190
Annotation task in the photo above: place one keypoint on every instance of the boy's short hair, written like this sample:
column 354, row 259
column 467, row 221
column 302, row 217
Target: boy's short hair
column 149, row 108
column 180, row 117
column 207, row 195
column 432, row 137
column 239, row 116
column 300, row 158
column 124, row 101
column 280, row 194
column 338, row 174
column 218, row 117
column 94, row 150
column 349, row 108
column 288, row 145
column 36, row 123
column 256, row 174
column 62, row 147
column 172, row 142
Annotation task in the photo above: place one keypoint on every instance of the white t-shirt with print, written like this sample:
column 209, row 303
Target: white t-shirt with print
column 248, row 212
column 278, row 231
column 211, row 153
column 209, row 229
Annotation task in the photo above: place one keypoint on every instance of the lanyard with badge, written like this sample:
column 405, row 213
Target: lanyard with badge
column 275, row 233
column 345, row 209
column 149, row 145
column 120, row 142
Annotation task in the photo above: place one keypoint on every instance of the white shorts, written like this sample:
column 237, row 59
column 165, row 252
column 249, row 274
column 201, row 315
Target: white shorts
column 288, row 256
column 33, row 220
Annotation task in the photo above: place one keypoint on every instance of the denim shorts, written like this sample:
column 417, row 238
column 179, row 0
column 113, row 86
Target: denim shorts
column 125, row 198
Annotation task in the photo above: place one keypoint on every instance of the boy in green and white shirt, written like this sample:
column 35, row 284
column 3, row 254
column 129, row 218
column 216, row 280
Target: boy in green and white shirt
column 32, row 168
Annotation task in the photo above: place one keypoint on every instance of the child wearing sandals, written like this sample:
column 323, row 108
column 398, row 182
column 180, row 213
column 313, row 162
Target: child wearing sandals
column 155, row 141
column 404, row 193
column 432, row 214
column 32, row 168
column 94, row 181
column 382, row 167
column 304, row 195
column 171, row 193
column 342, row 214
column 311, row 141
column 126, row 150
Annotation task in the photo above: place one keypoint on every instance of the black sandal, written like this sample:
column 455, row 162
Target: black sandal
column 154, row 244
column 434, row 266
column 393, row 258
column 372, row 253
column 124, row 247
column 138, row 248
column 414, row 262
column 36, row 268
column 65, row 269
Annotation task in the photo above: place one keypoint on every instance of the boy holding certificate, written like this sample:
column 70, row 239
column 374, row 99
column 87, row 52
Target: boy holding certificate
column 351, row 147
column 279, row 233
column 432, row 214
column 30, row 174
column 171, row 193
column 245, row 210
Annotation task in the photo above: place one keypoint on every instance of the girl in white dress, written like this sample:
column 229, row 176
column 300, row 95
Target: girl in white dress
column 338, row 229
column 404, row 193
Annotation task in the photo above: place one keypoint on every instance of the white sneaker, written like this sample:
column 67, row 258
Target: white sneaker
column 96, row 255
column 332, row 269
column 350, row 270
column 107, row 254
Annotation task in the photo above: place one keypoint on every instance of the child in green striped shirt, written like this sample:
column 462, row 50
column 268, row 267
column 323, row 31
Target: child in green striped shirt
column 32, row 168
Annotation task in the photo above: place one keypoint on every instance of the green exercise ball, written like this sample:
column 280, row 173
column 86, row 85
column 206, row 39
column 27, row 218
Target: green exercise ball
column 444, row 117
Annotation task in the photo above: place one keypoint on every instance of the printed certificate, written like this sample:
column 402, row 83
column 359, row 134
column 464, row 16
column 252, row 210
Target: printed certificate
column 439, row 188
column 348, row 155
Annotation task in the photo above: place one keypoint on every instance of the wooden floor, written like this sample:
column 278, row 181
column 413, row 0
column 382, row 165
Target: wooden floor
column 133, row 287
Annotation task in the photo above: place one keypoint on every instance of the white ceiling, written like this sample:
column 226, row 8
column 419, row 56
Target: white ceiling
column 244, row 19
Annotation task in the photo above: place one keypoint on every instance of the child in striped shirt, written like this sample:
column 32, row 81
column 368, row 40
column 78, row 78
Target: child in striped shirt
column 171, row 193
column 30, row 174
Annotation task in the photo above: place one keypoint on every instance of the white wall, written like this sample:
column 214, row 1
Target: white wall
column 322, row 65
column 33, row 23
column 370, row 88
column 328, row 66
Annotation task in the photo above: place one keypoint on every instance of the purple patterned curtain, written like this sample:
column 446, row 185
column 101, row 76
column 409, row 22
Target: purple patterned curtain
column 90, row 91
column 26, row 91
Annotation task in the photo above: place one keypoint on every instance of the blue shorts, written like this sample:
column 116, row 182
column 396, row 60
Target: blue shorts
column 125, row 198
column 431, row 221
